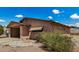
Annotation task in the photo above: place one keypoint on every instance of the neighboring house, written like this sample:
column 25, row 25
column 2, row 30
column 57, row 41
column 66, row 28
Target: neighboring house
column 74, row 30
column 31, row 26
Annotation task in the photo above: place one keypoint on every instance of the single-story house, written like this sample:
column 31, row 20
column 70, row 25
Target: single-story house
column 29, row 27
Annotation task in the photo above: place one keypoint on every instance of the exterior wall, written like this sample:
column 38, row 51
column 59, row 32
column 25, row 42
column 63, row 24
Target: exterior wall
column 14, row 25
column 24, row 31
column 18, row 30
column 37, row 23
column 34, row 35
column 14, row 29
column 61, row 28
column 15, row 32
column 48, row 26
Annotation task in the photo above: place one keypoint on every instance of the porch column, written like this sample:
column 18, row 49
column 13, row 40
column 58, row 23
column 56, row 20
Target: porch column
column 24, row 32
column 21, row 31
column 9, row 32
column 30, row 34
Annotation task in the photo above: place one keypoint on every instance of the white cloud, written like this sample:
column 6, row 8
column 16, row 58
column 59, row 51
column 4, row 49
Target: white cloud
column 56, row 21
column 50, row 17
column 1, row 20
column 74, row 16
column 69, row 24
column 55, row 11
column 77, row 24
column 19, row 16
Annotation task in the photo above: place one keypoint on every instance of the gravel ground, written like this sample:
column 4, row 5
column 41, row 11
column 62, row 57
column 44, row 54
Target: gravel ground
column 17, row 45
column 75, row 40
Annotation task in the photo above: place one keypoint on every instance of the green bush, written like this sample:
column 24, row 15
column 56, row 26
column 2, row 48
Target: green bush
column 56, row 41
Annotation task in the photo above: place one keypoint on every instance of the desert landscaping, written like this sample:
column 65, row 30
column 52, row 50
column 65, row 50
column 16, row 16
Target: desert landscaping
column 75, row 40
column 18, row 45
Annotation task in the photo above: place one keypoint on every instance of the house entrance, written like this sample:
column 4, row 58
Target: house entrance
column 15, row 32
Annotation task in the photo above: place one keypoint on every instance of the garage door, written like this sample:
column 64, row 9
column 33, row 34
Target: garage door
column 15, row 32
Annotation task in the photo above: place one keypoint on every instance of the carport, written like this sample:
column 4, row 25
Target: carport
column 15, row 32
column 14, row 29
column 18, row 30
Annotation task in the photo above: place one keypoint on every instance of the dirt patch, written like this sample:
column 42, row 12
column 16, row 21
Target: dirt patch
column 17, row 45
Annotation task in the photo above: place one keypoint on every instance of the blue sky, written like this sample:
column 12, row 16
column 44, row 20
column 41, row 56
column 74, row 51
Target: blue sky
column 64, row 15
